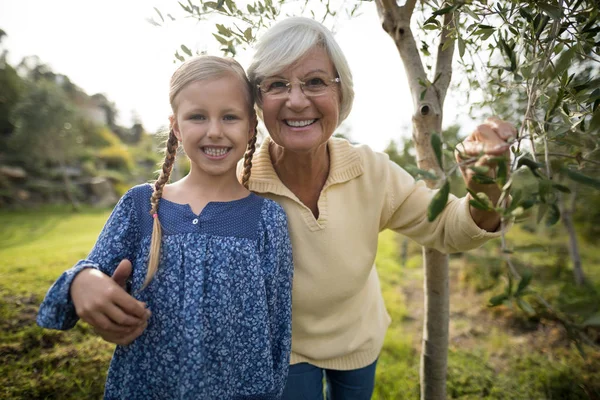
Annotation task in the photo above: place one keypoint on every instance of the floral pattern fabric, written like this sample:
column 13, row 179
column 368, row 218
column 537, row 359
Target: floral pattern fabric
column 220, row 300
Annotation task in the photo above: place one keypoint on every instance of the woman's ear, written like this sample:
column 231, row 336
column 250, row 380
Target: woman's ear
column 175, row 127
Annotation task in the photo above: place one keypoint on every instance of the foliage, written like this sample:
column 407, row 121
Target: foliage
column 500, row 364
column 61, row 138
column 11, row 85
column 542, row 69
column 43, row 125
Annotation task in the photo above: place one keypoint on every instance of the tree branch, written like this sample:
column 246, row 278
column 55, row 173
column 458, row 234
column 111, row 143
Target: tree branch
column 396, row 22
column 443, row 64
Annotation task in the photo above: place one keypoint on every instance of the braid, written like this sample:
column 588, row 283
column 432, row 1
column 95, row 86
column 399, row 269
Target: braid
column 165, row 173
column 248, row 157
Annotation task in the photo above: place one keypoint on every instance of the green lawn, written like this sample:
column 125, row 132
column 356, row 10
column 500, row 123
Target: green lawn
column 494, row 353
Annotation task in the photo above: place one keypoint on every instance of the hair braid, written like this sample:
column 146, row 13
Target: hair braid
column 165, row 173
column 248, row 156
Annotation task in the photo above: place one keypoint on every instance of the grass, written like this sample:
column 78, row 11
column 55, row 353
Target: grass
column 496, row 353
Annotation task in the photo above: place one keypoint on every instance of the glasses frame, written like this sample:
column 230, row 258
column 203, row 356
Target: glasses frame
column 288, row 85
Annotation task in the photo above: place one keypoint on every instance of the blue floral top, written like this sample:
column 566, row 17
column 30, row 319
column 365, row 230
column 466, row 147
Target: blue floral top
column 220, row 300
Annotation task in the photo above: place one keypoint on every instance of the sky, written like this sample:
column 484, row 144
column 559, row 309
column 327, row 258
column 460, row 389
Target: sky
column 109, row 47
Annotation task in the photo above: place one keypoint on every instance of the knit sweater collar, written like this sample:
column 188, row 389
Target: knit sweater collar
column 345, row 164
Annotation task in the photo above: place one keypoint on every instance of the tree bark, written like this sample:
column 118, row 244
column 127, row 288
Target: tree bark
column 428, row 103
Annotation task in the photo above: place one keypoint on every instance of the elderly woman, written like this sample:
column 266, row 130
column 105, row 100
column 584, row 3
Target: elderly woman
column 338, row 198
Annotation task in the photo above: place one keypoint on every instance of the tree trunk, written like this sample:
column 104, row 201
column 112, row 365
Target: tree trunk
column 567, row 218
column 434, row 351
column 428, row 100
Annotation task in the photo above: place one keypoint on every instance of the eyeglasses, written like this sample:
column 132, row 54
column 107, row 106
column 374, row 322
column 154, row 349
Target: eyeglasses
column 277, row 88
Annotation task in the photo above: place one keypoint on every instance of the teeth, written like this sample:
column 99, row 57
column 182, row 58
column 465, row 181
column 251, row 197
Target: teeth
column 298, row 124
column 216, row 151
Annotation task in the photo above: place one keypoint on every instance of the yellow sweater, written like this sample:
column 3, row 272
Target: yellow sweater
column 339, row 319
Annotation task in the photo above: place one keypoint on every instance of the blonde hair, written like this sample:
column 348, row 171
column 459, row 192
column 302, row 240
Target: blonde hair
column 195, row 69
column 288, row 41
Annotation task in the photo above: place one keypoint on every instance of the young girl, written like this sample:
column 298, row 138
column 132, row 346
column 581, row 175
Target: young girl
column 211, row 260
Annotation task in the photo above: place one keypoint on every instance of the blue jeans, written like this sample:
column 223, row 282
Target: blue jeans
column 305, row 382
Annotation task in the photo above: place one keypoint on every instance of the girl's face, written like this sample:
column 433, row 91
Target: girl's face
column 298, row 122
column 212, row 121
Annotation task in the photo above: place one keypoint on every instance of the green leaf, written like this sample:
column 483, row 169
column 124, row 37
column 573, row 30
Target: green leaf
column 478, row 205
column 479, row 202
column 553, row 215
column 594, row 320
column 523, row 305
column 529, row 163
column 581, row 178
column 564, row 61
column 525, row 281
column 221, row 39
column 159, row 14
column 436, row 144
column 179, row 57
column 438, row 202
column 482, row 170
column 561, row 188
column 186, row 50
column 223, row 30
column 461, row 47
column 502, row 173
column 483, row 179
column 497, row 300
column 248, row 34
column 445, row 10
column 185, row 8
column 551, row 10
column 421, row 172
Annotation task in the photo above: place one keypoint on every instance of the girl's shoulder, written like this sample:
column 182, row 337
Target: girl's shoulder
column 140, row 193
column 272, row 209
column 273, row 217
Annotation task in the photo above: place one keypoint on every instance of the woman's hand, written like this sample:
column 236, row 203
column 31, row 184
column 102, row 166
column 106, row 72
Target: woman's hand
column 102, row 302
column 490, row 140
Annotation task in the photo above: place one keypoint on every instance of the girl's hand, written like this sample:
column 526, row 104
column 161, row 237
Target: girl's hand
column 102, row 302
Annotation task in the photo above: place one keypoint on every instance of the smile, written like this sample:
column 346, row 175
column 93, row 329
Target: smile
column 216, row 152
column 299, row 124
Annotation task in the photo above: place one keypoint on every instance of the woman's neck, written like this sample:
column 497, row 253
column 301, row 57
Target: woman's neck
column 306, row 169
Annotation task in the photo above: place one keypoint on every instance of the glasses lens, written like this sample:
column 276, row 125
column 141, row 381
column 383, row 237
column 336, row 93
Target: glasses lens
column 315, row 86
column 274, row 87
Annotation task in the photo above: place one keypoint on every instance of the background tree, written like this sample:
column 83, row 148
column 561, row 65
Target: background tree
column 43, row 121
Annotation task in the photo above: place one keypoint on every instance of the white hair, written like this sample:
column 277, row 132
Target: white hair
column 288, row 41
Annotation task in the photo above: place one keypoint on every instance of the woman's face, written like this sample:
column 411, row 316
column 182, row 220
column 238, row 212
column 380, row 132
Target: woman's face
column 298, row 122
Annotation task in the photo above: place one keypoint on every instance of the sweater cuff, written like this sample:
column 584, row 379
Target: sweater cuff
column 470, row 227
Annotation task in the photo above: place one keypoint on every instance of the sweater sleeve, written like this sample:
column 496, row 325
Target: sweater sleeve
column 277, row 261
column 118, row 240
column 405, row 211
